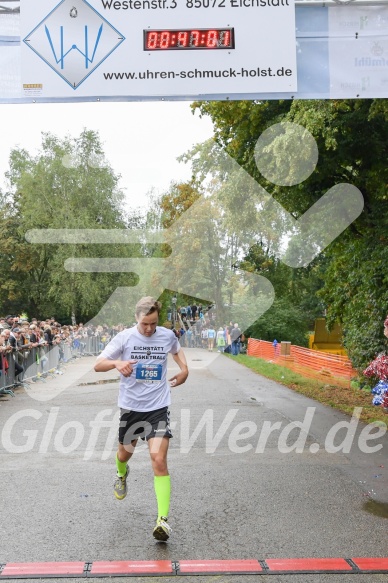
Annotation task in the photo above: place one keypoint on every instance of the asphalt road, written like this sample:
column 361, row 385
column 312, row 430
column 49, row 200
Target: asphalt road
column 239, row 489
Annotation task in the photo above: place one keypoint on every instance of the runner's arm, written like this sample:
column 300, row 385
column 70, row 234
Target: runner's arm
column 125, row 367
column 181, row 377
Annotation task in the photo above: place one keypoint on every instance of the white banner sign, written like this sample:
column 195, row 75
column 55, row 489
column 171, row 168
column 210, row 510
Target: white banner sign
column 79, row 48
column 358, row 51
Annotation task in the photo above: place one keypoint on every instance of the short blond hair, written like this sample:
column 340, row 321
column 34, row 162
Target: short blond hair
column 146, row 306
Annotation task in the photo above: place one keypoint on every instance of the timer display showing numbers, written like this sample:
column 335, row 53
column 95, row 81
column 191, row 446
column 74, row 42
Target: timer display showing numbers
column 189, row 39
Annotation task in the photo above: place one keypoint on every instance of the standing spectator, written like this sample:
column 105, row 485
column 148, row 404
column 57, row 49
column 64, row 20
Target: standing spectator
column 9, row 322
column 4, row 350
column 25, row 328
column 99, row 334
column 211, row 335
column 48, row 336
column 235, row 337
column 275, row 347
column 194, row 311
column 197, row 336
column 14, row 341
column 79, row 339
column 188, row 312
column 189, row 336
column 6, row 333
column 204, row 337
column 58, row 340
column 221, row 342
column 36, row 340
column 51, row 340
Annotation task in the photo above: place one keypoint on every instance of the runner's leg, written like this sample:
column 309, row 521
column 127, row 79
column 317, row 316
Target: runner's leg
column 123, row 455
column 158, row 448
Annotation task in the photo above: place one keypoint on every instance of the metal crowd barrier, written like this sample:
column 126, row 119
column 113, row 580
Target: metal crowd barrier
column 87, row 346
column 7, row 378
column 41, row 361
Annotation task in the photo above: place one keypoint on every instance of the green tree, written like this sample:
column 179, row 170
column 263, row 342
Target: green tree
column 205, row 245
column 349, row 279
column 67, row 185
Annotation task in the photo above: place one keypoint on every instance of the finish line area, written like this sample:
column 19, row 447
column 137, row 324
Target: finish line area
column 301, row 566
column 74, row 527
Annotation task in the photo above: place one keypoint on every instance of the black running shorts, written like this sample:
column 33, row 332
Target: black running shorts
column 143, row 425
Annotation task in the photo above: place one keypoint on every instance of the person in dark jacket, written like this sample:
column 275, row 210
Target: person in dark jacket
column 235, row 335
column 14, row 339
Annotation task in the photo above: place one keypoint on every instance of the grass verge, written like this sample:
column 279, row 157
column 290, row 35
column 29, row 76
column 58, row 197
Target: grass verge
column 343, row 399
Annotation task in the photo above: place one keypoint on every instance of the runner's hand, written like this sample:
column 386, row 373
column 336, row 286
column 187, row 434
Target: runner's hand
column 178, row 379
column 125, row 367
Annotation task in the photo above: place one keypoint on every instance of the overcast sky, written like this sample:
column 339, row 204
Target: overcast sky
column 141, row 140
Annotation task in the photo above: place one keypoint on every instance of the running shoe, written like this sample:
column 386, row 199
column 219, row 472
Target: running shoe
column 120, row 486
column 162, row 530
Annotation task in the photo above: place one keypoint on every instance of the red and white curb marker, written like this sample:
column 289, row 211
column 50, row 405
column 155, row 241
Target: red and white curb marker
column 193, row 567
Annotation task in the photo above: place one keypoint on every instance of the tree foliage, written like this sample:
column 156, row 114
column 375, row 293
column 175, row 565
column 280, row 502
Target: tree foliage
column 205, row 245
column 349, row 279
column 67, row 185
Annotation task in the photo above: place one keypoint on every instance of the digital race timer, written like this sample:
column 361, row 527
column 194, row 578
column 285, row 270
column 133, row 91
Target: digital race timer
column 192, row 38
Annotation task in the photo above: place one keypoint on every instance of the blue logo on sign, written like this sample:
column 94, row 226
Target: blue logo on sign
column 74, row 39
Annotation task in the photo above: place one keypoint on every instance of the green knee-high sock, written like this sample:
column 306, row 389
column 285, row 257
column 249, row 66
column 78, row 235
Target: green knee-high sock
column 162, row 486
column 121, row 467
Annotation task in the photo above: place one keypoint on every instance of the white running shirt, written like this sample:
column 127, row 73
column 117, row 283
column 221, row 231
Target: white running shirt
column 131, row 345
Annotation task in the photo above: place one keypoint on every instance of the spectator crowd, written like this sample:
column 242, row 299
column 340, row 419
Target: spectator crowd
column 198, row 328
column 26, row 346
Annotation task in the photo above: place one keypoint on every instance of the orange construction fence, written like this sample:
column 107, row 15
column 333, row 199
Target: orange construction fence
column 332, row 368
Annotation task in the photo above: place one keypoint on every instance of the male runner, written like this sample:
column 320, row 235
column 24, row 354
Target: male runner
column 140, row 355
